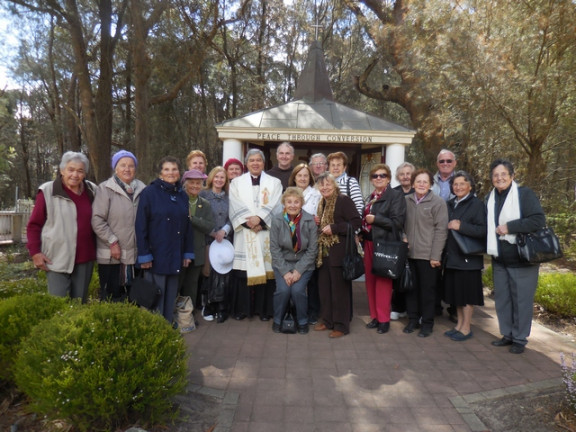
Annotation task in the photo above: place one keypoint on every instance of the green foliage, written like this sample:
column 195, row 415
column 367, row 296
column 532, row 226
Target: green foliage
column 487, row 280
column 103, row 365
column 18, row 315
column 94, row 287
column 564, row 225
column 556, row 293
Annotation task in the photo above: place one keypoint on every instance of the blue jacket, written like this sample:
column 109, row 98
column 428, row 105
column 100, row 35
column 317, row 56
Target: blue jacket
column 163, row 232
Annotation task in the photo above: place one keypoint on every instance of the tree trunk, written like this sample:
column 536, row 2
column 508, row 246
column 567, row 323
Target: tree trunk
column 89, row 125
column 141, row 73
column 103, row 99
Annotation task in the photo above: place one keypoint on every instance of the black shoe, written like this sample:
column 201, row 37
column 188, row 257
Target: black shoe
column 239, row 317
column 502, row 342
column 264, row 318
column 516, row 348
column 303, row 329
column 312, row 321
column 383, row 327
column 372, row 324
column 276, row 328
column 221, row 318
column 425, row 332
column 411, row 326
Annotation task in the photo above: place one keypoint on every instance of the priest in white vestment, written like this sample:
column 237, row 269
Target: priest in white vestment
column 253, row 197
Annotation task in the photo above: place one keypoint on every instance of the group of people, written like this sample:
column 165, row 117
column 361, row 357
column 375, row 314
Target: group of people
column 279, row 238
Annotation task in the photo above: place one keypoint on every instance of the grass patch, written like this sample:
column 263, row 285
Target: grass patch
column 556, row 293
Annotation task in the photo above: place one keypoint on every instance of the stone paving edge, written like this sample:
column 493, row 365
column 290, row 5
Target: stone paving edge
column 462, row 404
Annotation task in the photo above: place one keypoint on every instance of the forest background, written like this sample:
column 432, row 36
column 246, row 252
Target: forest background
column 486, row 79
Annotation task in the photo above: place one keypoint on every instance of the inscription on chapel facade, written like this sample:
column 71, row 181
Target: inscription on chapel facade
column 308, row 137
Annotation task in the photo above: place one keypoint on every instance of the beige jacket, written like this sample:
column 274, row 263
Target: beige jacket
column 113, row 216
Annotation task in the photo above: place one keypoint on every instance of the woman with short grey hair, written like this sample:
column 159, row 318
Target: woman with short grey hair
column 462, row 278
column 512, row 209
column 60, row 237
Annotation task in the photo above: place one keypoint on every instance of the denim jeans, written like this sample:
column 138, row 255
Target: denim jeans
column 297, row 292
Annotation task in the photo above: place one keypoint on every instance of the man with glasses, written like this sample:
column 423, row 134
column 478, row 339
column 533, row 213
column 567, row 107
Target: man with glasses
column 446, row 163
column 318, row 164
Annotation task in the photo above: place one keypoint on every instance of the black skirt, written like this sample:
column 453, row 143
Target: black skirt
column 463, row 287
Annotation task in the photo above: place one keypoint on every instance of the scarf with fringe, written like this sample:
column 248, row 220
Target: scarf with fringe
column 325, row 242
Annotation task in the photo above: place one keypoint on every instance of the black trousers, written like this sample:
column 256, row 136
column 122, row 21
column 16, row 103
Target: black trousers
column 420, row 302
column 110, row 288
column 335, row 297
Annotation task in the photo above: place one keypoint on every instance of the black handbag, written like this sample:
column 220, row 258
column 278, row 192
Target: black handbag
column 288, row 324
column 406, row 282
column 539, row 246
column 215, row 286
column 353, row 263
column 389, row 257
column 469, row 245
column 145, row 293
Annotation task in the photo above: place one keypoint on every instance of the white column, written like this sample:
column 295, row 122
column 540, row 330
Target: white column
column 394, row 157
column 232, row 148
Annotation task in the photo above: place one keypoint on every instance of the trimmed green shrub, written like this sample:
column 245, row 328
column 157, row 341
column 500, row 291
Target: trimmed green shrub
column 556, row 294
column 102, row 366
column 18, row 315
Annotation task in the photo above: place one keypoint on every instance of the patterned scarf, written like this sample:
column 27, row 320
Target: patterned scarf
column 326, row 211
column 374, row 196
column 294, row 224
column 128, row 188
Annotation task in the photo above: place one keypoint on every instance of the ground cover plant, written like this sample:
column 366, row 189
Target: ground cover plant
column 18, row 278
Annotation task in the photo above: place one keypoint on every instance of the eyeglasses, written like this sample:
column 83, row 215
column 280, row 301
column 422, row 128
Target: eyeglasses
column 382, row 176
column 318, row 164
column 445, row 161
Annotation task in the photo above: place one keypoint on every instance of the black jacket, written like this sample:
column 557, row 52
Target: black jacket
column 389, row 212
column 472, row 215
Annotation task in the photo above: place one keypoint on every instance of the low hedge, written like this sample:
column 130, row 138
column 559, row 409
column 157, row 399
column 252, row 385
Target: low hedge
column 18, row 316
column 103, row 366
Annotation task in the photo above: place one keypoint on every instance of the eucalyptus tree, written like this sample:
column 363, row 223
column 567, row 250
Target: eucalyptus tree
column 92, row 29
column 385, row 22
column 516, row 83
column 484, row 78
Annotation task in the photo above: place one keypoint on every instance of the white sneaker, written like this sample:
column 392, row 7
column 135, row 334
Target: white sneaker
column 207, row 317
column 397, row 315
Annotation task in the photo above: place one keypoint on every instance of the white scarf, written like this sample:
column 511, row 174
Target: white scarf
column 510, row 211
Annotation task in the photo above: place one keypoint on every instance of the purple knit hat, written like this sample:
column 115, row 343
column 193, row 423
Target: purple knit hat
column 122, row 154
